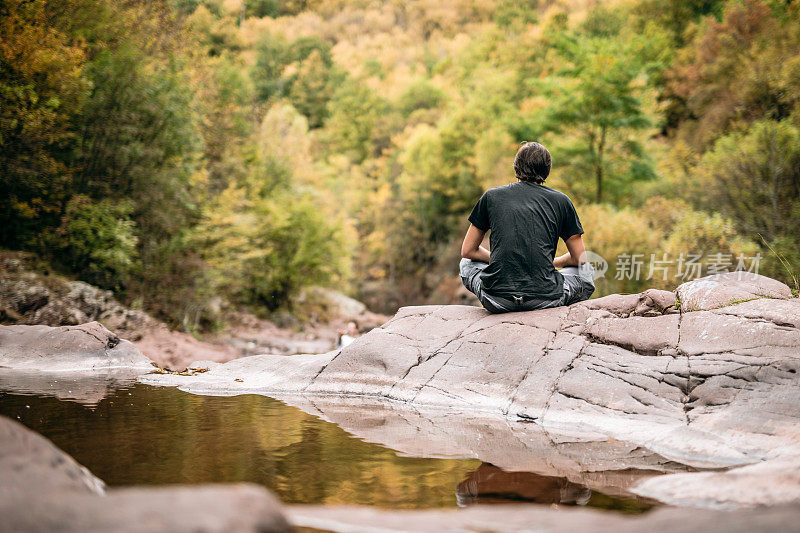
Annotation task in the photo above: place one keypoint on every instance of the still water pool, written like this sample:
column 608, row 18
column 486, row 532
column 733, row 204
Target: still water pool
column 160, row 435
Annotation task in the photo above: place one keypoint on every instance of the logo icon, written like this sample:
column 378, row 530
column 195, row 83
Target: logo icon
column 599, row 264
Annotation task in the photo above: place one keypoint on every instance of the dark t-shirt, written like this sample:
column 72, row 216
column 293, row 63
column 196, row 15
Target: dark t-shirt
column 526, row 220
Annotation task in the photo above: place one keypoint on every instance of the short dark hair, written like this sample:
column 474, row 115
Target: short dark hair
column 532, row 162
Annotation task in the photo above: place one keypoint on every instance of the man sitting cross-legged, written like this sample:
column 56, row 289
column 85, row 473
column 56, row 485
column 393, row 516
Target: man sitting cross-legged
column 526, row 220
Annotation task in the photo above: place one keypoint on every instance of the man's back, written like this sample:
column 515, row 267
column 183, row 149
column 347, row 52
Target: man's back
column 526, row 220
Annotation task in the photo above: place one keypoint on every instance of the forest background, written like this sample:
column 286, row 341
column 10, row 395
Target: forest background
column 184, row 153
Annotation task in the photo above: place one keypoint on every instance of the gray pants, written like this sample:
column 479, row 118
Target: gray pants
column 578, row 286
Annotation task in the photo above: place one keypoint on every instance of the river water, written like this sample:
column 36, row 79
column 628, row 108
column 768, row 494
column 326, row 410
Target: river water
column 143, row 435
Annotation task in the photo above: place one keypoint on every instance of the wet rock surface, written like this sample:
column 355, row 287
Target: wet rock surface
column 43, row 489
column 82, row 363
column 715, row 387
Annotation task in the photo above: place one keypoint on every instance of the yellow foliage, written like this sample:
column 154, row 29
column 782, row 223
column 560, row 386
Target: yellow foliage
column 611, row 232
column 491, row 157
column 284, row 136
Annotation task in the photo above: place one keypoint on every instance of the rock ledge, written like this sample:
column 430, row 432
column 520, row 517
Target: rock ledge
column 712, row 387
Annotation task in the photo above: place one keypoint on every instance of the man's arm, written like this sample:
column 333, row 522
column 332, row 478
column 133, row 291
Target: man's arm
column 471, row 248
column 576, row 253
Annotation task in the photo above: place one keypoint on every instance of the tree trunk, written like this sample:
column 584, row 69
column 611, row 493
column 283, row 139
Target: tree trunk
column 598, row 169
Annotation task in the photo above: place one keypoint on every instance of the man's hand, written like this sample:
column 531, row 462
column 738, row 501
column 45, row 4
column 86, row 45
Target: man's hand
column 471, row 248
column 576, row 253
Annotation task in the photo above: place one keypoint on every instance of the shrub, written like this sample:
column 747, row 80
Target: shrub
column 97, row 241
column 262, row 251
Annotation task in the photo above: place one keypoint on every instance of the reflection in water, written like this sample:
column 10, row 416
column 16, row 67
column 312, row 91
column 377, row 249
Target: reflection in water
column 87, row 388
column 155, row 435
column 490, row 484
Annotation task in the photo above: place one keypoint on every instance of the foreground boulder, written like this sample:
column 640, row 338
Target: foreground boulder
column 525, row 518
column 710, row 388
column 207, row 508
column 30, row 463
column 43, row 489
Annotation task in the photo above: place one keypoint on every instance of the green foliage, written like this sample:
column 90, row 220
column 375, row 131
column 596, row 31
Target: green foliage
column 97, row 241
column 603, row 21
column 174, row 286
column 781, row 258
column 272, row 56
column 677, row 15
column 595, row 112
column 302, row 71
column 274, row 8
column 262, row 8
column 754, row 177
column 138, row 140
column 420, row 95
column 354, row 113
column 313, row 86
column 515, row 13
column 302, row 48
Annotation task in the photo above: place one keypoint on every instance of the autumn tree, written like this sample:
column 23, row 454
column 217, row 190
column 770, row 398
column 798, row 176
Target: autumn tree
column 595, row 110
column 41, row 88
column 737, row 70
column 677, row 15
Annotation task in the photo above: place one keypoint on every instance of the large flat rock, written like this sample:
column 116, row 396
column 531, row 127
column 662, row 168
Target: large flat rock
column 712, row 388
column 86, row 347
